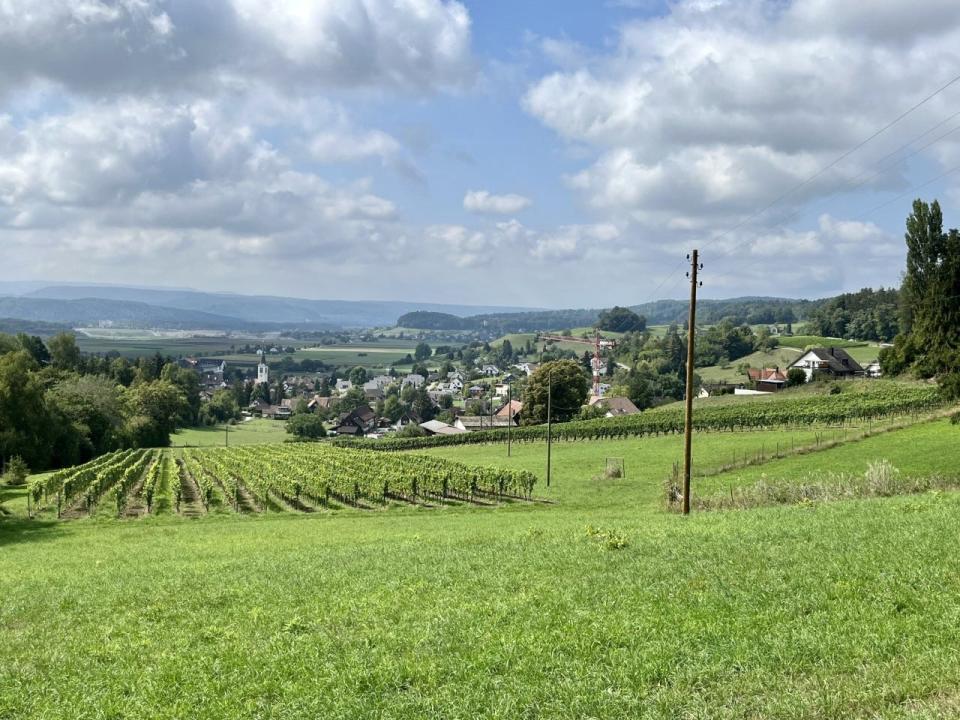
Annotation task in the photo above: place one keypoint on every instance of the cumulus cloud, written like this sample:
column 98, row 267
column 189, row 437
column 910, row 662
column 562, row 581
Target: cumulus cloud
column 198, row 134
column 483, row 202
column 128, row 45
column 705, row 114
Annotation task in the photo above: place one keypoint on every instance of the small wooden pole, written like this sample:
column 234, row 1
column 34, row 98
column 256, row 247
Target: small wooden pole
column 688, row 414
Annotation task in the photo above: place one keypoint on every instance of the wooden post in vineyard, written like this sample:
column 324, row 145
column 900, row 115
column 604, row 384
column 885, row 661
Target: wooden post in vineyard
column 549, row 420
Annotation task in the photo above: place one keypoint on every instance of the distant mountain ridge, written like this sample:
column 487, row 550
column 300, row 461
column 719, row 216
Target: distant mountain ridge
column 189, row 309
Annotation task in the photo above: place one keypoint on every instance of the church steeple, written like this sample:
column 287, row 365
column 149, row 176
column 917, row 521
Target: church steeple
column 263, row 370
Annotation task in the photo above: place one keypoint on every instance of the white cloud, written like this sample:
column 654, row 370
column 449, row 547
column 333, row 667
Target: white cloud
column 340, row 147
column 131, row 45
column 483, row 202
column 706, row 114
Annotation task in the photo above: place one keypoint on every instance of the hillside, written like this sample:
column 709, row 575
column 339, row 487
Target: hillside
column 124, row 313
column 245, row 310
column 750, row 310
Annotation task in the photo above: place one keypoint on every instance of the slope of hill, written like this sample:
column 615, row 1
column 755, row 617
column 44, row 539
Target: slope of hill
column 263, row 308
column 90, row 311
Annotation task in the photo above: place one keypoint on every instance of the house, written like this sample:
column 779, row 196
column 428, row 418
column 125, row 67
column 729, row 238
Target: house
column 490, row 370
column 455, row 375
column 211, row 370
column 615, row 406
column 276, row 412
column 435, row 427
column 407, row 418
column 474, row 423
column 501, row 390
column 372, row 390
column 437, row 394
column 511, row 409
column 767, row 379
column 321, row 403
column 528, row 368
column 455, row 385
column 415, row 380
column 343, row 386
column 357, row 422
column 476, row 390
column 835, row 362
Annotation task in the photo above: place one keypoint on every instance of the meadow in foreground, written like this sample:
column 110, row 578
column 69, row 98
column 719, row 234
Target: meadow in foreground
column 835, row 610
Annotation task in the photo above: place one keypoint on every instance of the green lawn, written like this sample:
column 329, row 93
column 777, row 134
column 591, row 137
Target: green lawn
column 832, row 611
column 258, row 431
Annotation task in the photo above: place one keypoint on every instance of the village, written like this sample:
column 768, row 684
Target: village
column 443, row 399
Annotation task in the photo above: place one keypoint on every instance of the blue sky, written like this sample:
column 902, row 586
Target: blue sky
column 549, row 154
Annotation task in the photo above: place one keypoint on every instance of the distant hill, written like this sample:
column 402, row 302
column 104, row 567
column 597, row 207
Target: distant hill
column 12, row 326
column 752, row 310
column 91, row 311
column 242, row 311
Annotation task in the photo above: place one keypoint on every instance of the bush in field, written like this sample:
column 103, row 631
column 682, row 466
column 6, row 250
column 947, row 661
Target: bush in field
column 881, row 478
column 796, row 376
column 17, row 471
column 306, row 427
column 411, row 430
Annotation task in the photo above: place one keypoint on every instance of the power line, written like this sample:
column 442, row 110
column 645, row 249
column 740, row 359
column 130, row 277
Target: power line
column 837, row 160
column 822, row 170
column 912, row 190
column 792, row 216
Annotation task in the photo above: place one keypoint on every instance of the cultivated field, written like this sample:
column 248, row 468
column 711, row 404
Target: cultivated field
column 596, row 603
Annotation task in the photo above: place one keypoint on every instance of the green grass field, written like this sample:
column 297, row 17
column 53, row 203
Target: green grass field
column 803, row 341
column 779, row 357
column 257, row 431
column 920, row 450
column 833, row 611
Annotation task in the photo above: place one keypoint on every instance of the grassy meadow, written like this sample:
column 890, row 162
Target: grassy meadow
column 594, row 604
column 258, row 431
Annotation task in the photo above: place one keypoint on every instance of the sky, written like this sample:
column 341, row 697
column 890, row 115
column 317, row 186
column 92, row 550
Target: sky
column 544, row 153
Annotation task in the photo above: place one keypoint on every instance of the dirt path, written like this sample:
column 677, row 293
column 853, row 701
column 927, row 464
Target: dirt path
column 190, row 505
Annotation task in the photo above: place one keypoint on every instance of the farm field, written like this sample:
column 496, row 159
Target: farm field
column 258, row 431
column 599, row 604
column 166, row 346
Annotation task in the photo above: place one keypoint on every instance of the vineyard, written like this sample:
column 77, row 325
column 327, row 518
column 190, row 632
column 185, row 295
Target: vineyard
column 294, row 477
column 765, row 413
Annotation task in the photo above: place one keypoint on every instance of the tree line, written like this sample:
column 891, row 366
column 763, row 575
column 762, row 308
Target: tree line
column 59, row 407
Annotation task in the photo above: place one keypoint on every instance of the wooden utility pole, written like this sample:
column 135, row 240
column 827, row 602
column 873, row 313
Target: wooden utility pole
column 549, row 420
column 509, row 415
column 688, row 419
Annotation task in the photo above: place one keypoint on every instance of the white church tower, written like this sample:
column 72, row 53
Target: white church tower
column 263, row 370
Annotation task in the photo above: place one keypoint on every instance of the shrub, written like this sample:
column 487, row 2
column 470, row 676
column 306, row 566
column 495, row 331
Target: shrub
column 17, row 471
column 796, row 376
column 411, row 431
column 306, row 427
column 881, row 478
